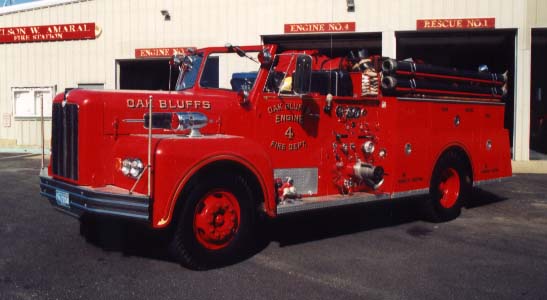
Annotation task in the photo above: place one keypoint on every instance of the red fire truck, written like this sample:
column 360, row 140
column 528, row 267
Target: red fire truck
column 267, row 130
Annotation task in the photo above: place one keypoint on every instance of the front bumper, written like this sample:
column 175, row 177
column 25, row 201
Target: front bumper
column 109, row 201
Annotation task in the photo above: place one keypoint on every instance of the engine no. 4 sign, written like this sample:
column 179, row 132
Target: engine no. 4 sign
column 320, row 27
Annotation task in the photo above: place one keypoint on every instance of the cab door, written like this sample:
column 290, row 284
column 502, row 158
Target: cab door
column 288, row 127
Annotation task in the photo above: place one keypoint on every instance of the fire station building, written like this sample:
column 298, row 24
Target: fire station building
column 50, row 45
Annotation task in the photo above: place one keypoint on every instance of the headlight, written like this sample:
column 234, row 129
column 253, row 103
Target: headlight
column 132, row 167
column 126, row 166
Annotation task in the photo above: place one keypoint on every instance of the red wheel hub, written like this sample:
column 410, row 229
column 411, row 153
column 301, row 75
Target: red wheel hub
column 216, row 219
column 449, row 186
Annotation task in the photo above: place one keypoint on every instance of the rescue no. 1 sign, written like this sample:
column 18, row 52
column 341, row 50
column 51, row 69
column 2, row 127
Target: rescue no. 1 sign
column 451, row 24
column 47, row 33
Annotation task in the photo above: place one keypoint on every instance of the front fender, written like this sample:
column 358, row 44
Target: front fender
column 179, row 158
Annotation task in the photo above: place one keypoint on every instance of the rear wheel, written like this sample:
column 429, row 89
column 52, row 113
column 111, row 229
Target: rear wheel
column 450, row 187
column 215, row 222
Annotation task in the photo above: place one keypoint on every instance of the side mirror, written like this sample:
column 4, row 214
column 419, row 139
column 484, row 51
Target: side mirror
column 302, row 74
column 175, row 60
column 243, row 96
column 178, row 60
column 265, row 58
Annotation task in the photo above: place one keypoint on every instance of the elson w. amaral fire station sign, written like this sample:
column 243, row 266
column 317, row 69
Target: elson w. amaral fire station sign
column 48, row 33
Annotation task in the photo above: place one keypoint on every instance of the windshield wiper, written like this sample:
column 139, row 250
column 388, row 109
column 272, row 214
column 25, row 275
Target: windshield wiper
column 240, row 52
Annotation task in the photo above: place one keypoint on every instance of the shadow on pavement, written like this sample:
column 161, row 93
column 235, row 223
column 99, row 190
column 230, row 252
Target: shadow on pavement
column 312, row 226
column 131, row 239
column 481, row 198
column 138, row 240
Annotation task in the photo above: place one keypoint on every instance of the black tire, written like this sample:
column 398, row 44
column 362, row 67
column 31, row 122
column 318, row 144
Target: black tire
column 446, row 198
column 187, row 246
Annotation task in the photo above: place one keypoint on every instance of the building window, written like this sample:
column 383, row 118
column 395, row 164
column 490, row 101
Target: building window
column 27, row 101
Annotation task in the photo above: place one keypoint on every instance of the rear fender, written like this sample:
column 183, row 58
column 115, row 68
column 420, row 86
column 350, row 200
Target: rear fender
column 461, row 149
column 180, row 158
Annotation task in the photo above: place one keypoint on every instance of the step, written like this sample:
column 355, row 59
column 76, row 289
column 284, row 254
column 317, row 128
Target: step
column 313, row 203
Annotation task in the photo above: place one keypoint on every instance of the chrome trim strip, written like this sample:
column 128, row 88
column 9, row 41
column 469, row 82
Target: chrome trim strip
column 110, row 212
column 489, row 181
column 314, row 203
column 449, row 101
column 411, row 193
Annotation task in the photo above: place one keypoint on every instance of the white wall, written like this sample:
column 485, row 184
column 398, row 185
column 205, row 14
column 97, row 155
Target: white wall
column 130, row 24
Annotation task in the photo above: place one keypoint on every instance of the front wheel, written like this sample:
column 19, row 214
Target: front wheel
column 450, row 187
column 215, row 222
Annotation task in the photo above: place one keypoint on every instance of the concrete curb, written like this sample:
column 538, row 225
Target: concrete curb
column 23, row 150
column 24, row 155
column 529, row 166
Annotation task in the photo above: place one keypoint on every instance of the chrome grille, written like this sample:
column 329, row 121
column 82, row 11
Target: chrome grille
column 64, row 140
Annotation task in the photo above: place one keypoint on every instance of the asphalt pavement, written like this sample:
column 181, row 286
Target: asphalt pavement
column 497, row 250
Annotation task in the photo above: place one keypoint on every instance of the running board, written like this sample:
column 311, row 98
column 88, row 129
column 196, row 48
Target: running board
column 313, row 203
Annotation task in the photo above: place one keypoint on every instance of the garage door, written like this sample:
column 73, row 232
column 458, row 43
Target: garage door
column 465, row 50
column 145, row 74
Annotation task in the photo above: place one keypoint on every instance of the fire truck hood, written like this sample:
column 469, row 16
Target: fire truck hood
column 122, row 111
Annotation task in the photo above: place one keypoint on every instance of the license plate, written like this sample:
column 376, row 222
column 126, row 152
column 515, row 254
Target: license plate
column 62, row 198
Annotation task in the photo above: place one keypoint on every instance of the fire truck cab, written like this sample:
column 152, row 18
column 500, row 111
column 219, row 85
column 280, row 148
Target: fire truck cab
column 267, row 130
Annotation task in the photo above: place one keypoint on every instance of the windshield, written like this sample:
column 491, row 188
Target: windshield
column 230, row 71
column 188, row 72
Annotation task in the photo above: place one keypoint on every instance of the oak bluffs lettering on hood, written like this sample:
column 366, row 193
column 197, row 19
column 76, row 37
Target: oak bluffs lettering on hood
column 168, row 104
